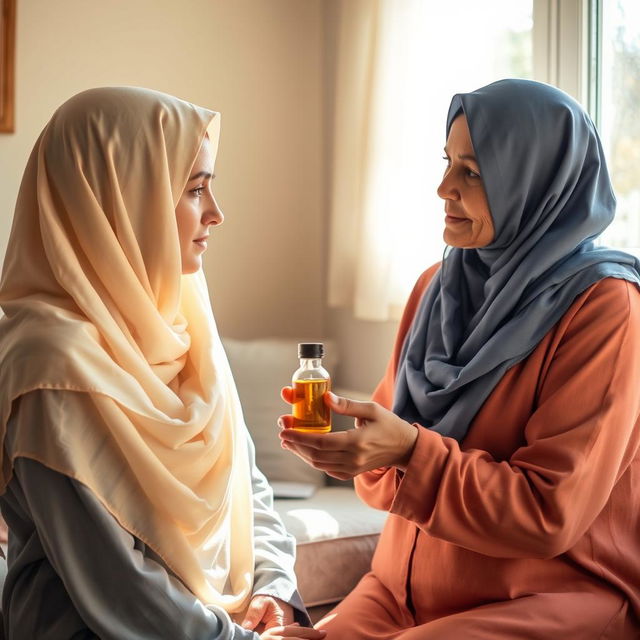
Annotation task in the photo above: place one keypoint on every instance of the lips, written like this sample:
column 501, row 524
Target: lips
column 451, row 218
column 451, row 214
column 202, row 242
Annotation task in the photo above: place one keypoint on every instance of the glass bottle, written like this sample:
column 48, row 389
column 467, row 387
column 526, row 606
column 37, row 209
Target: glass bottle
column 310, row 382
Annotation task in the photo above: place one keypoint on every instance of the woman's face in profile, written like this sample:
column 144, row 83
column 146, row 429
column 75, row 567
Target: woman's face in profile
column 468, row 222
column 197, row 210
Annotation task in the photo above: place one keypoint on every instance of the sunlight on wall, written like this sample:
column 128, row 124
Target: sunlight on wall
column 425, row 57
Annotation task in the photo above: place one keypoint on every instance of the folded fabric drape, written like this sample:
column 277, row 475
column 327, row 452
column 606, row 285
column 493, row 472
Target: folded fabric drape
column 95, row 302
column 546, row 180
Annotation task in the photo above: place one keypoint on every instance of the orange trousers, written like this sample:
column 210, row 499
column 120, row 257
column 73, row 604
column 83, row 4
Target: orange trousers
column 371, row 612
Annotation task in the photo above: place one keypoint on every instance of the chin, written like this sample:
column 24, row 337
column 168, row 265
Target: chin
column 452, row 240
column 191, row 267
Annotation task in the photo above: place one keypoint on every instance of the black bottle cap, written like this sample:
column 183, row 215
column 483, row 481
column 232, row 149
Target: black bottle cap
column 310, row 350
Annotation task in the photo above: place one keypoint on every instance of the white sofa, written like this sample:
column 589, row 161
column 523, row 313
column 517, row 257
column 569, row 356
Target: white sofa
column 336, row 533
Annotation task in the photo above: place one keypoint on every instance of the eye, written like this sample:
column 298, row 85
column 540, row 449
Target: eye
column 198, row 191
column 472, row 174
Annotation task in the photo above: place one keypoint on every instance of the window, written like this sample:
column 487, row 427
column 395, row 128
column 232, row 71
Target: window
column 616, row 68
column 398, row 66
column 386, row 220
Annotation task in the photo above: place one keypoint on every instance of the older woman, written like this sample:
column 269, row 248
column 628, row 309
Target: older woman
column 504, row 438
column 134, row 505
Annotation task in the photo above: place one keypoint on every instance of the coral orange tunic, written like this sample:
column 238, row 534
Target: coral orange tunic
column 529, row 528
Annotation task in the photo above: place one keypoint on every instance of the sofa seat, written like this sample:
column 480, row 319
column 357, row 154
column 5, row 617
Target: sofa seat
column 336, row 535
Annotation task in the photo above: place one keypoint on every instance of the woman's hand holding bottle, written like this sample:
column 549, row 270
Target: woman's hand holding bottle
column 380, row 439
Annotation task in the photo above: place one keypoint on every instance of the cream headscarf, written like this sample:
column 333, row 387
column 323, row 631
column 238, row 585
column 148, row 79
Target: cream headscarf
column 95, row 303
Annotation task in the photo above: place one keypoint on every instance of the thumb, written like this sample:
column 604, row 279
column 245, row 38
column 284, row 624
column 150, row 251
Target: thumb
column 255, row 614
column 348, row 407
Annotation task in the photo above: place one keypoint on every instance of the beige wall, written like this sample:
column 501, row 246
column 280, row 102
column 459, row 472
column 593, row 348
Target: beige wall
column 258, row 62
column 267, row 66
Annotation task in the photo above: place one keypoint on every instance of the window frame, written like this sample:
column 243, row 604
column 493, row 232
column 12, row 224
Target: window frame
column 567, row 52
column 563, row 35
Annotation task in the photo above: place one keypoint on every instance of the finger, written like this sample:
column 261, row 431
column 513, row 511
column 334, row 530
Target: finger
column 340, row 476
column 348, row 407
column 327, row 460
column 286, row 611
column 312, row 457
column 302, row 633
column 338, row 441
column 323, row 461
column 296, row 632
column 273, row 616
column 287, row 616
column 287, row 394
column 342, row 470
column 254, row 614
column 285, row 421
column 302, row 452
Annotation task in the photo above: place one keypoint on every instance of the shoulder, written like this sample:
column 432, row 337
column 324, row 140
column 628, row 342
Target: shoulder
column 43, row 406
column 613, row 288
column 612, row 298
column 608, row 308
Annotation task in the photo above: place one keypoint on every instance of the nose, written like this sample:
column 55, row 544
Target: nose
column 213, row 213
column 447, row 190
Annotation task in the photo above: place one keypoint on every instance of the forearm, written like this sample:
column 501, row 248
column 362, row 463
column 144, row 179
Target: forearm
column 274, row 548
column 537, row 504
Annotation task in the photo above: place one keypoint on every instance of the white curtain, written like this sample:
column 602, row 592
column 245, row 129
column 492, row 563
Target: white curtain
column 398, row 63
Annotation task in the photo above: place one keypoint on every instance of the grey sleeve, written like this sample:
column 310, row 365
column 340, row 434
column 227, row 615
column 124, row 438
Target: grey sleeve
column 275, row 549
column 119, row 592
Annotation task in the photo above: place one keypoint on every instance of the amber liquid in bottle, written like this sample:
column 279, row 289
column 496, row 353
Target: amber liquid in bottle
column 310, row 413
column 310, row 383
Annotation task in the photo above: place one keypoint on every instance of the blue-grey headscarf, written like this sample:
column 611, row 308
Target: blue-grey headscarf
column 486, row 309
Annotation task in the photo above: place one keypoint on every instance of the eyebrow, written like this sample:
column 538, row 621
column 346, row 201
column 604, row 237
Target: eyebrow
column 464, row 156
column 202, row 174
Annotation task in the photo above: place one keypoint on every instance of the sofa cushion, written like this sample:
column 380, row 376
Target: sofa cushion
column 336, row 535
column 261, row 368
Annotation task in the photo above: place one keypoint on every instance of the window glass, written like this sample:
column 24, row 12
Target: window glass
column 619, row 115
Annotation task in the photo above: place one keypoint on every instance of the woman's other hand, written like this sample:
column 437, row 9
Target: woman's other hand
column 293, row 632
column 380, row 439
column 265, row 612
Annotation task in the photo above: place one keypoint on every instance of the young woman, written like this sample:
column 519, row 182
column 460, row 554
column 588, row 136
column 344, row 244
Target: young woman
column 504, row 438
column 129, row 486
